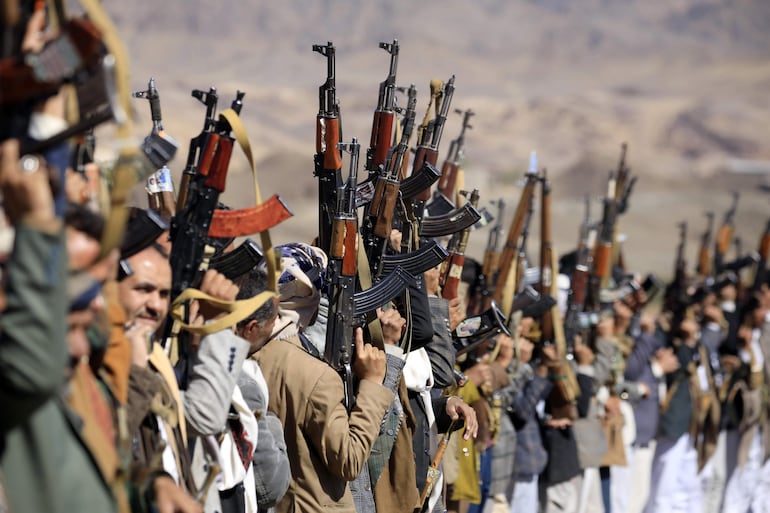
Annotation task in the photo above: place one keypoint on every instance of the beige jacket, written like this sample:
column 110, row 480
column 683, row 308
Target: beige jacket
column 326, row 447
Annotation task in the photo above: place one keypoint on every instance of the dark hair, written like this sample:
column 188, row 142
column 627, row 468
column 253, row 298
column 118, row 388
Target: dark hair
column 250, row 284
column 85, row 220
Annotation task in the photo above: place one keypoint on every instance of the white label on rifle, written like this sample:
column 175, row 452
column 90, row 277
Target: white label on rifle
column 164, row 180
column 547, row 276
column 152, row 184
column 468, row 327
column 455, row 271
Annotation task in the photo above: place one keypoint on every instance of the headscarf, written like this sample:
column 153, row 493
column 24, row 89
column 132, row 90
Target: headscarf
column 303, row 277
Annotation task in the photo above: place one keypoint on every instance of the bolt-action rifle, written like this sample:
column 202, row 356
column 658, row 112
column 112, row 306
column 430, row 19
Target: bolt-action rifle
column 504, row 292
column 551, row 328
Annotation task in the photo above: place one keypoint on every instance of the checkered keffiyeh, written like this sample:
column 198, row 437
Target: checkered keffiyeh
column 302, row 278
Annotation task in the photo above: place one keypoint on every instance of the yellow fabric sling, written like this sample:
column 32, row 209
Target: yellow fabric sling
column 237, row 310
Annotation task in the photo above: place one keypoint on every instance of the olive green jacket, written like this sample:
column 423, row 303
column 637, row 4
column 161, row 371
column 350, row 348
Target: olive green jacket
column 44, row 465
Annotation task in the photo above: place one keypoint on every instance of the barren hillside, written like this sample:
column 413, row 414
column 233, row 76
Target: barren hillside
column 683, row 82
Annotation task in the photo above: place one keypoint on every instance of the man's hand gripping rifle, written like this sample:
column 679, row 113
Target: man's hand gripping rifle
column 347, row 309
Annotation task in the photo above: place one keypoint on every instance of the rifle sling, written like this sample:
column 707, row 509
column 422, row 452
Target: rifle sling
column 239, row 131
column 237, row 310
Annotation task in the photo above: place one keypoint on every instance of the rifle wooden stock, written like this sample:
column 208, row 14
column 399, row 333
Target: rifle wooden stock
column 763, row 249
column 545, row 236
column 345, row 245
column 383, row 206
column 326, row 139
column 382, row 137
column 454, row 268
column 216, row 173
column 451, row 282
column 602, row 254
column 723, row 239
column 447, row 182
column 764, row 246
column 579, row 285
column 704, row 261
column 511, row 248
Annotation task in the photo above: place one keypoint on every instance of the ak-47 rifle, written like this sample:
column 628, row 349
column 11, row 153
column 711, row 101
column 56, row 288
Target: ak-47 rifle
column 347, row 308
column 704, row 253
column 450, row 278
column 602, row 268
column 677, row 289
column 430, row 137
column 503, row 292
column 343, row 267
column 197, row 219
column 624, row 184
column 725, row 235
column 379, row 213
column 576, row 300
column 451, row 167
column 328, row 161
column 189, row 228
column 384, row 115
column 197, row 143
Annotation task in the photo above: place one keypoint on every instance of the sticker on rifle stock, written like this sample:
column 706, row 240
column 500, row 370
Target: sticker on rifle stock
column 455, row 271
column 163, row 176
column 468, row 327
column 152, row 184
column 364, row 193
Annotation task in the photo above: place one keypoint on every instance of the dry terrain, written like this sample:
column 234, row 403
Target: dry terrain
column 684, row 82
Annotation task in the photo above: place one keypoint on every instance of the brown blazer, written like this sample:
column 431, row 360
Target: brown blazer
column 326, row 448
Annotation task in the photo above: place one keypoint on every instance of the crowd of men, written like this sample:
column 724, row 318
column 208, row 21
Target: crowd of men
column 136, row 376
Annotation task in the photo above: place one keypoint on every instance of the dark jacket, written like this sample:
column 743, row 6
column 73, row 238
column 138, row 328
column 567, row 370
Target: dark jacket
column 638, row 368
column 530, row 457
column 677, row 414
